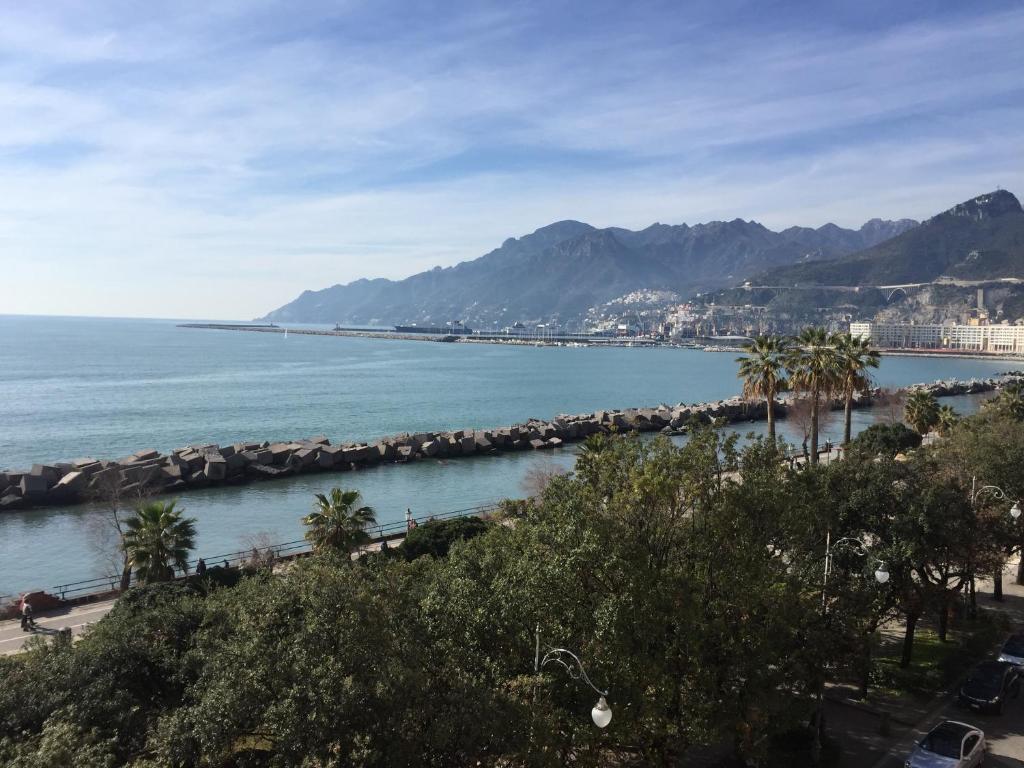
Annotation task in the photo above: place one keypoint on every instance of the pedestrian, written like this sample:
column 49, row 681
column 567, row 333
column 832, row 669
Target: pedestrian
column 27, row 622
column 383, row 545
column 409, row 522
column 227, row 565
column 201, row 568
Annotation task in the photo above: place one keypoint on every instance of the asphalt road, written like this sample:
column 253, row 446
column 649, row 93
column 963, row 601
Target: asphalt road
column 1004, row 734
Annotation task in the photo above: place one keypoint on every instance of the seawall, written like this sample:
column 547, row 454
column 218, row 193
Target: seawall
column 200, row 466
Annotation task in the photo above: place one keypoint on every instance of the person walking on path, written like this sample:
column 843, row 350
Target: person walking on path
column 27, row 622
column 409, row 522
column 201, row 568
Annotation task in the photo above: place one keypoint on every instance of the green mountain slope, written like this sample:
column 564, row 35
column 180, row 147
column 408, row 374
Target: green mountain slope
column 980, row 239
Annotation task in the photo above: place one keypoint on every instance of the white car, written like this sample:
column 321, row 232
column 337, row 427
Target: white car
column 1013, row 651
column 949, row 745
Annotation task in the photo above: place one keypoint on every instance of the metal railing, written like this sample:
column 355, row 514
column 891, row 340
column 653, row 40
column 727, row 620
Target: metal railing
column 111, row 583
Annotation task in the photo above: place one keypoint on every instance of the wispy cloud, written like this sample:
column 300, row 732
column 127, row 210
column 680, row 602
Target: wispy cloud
column 181, row 161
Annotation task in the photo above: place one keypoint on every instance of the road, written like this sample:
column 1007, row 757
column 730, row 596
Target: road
column 1004, row 734
column 12, row 637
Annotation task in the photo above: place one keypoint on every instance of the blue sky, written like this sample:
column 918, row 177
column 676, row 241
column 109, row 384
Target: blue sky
column 214, row 159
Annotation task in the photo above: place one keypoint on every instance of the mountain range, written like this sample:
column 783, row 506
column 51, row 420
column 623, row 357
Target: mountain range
column 980, row 239
column 560, row 271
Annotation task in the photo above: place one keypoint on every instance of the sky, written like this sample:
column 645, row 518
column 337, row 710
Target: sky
column 214, row 159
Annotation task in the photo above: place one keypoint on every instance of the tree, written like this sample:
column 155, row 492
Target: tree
column 157, row 540
column 886, row 440
column 1009, row 401
column 436, row 537
column 813, row 367
column 947, row 419
column 106, row 529
column 763, row 373
column 856, row 356
column 921, row 411
column 337, row 523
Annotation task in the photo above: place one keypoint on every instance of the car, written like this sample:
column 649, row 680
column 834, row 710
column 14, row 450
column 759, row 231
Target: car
column 989, row 685
column 950, row 744
column 1013, row 651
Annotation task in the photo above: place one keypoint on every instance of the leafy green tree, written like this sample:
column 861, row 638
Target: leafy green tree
column 763, row 372
column 157, row 540
column 337, row 524
column 856, row 357
column 436, row 537
column 813, row 365
column 886, row 440
column 921, row 411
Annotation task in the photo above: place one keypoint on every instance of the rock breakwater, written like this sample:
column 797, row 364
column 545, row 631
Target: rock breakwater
column 200, row 466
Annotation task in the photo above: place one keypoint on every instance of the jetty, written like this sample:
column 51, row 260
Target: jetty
column 149, row 471
column 440, row 335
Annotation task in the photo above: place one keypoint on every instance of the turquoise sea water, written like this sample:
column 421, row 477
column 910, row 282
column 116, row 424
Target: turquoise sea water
column 73, row 387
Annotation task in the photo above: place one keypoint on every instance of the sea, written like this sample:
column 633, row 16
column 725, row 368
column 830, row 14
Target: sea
column 104, row 388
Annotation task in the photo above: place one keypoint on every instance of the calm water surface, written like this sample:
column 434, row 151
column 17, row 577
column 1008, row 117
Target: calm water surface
column 105, row 388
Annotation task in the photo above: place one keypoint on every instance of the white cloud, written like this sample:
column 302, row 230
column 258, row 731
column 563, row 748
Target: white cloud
column 223, row 168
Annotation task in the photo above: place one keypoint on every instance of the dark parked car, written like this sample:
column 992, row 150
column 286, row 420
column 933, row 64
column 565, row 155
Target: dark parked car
column 989, row 685
column 1013, row 650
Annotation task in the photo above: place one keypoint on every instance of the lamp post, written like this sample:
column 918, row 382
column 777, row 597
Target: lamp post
column 998, row 494
column 881, row 576
column 601, row 713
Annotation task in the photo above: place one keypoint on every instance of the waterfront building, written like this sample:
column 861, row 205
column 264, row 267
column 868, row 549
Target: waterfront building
column 999, row 339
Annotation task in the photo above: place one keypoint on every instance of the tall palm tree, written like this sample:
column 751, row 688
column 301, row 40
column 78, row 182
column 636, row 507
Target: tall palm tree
column 813, row 367
column 764, row 373
column 946, row 420
column 856, row 356
column 921, row 411
column 157, row 540
column 337, row 522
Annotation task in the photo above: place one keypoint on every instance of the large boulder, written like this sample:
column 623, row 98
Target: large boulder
column 49, row 473
column 33, row 487
column 216, row 467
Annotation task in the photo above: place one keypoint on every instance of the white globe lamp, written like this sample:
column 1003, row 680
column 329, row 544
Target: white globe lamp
column 601, row 713
column 882, row 574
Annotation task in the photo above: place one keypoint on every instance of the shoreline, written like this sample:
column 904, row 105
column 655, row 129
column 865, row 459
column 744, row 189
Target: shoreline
column 150, row 472
column 570, row 341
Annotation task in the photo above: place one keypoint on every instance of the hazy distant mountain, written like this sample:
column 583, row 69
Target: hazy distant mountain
column 979, row 239
column 561, row 270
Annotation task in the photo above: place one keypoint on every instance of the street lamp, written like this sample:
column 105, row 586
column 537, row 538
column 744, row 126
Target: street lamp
column 999, row 494
column 601, row 713
column 856, row 546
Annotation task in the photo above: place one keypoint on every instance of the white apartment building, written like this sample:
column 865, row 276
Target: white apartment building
column 1003, row 339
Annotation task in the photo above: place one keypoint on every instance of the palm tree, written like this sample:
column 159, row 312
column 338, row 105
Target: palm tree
column 763, row 373
column 1012, row 398
column 921, row 411
column 947, row 419
column 856, row 356
column 337, row 523
column 813, row 367
column 157, row 540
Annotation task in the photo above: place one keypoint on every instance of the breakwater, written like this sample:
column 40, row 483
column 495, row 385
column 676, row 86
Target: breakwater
column 200, row 466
